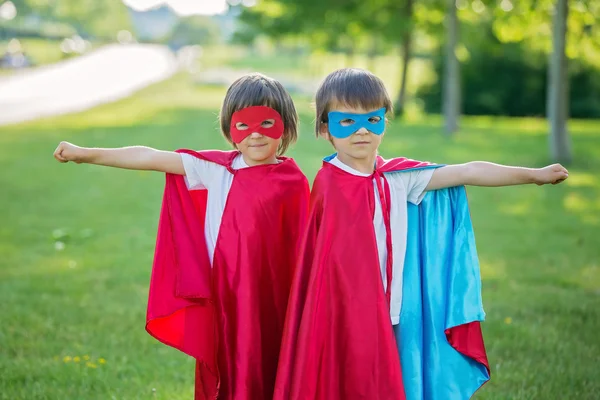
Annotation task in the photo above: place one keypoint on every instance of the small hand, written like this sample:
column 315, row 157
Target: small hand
column 66, row 152
column 553, row 174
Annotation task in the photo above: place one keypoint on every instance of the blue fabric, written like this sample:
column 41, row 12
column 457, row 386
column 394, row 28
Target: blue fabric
column 441, row 289
column 337, row 130
column 330, row 157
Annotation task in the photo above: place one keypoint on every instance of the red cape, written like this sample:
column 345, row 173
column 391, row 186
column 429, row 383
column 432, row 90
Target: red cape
column 229, row 317
column 338, row 288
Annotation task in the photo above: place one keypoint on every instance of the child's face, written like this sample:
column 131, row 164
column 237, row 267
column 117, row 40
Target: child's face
column 259, row 149
column 260, row 130
column 362, row 144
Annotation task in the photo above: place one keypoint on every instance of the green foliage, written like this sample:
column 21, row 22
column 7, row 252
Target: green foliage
column 101, row 18
column 361, row 26
column 337, row 25
column 510, row 79
column 530, row 22
column 40, row 51
column 192, row 30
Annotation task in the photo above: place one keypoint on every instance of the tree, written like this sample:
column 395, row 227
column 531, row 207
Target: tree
column 197, row 29
column 531, row 21
column 346, row 26
column 337, row 25
column 93, row 17
column 451, row 93
column 406, row 55
column 558, row 94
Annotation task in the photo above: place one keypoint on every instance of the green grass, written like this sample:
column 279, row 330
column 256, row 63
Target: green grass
column 538, row 246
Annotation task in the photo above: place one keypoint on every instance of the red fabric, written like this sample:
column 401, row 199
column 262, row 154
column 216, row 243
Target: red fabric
column 399, row 164
column 468, row 340
column 230, row 318
column 253, row 117
column 338, row 342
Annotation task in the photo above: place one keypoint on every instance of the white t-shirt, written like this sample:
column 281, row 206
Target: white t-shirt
column 217, row 180
column 404, row 187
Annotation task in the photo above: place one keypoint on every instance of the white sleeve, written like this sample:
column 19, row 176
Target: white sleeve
column 198, row 172
column 415, row 183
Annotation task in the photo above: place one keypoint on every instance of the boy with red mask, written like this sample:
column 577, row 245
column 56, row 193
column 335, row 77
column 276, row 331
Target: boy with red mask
column 227, row 240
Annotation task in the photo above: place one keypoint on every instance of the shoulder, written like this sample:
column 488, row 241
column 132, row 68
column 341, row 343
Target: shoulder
column 196, row 165
column 220, row 157
column 411, row 178
column 400, row 164
column 288, row 168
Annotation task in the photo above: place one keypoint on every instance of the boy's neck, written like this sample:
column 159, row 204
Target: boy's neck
column 253, row 163
column 364, row 165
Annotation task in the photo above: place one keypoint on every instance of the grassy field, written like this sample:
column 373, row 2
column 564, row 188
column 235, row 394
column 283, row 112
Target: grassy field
column 76, row 246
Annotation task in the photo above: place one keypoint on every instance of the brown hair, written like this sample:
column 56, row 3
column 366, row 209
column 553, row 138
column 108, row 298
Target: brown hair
column 353, row 87
column 259, row 90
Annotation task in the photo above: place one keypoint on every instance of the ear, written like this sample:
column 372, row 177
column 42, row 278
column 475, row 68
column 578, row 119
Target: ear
column 324, row 130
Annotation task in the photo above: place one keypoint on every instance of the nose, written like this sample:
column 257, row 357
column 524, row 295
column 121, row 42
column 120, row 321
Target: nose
column 362, row 131
column 255, row 135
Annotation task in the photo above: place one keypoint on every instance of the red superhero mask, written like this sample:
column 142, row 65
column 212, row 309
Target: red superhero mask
column 253, row 118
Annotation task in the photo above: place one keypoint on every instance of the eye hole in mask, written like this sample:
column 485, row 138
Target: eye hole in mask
column 269, row 123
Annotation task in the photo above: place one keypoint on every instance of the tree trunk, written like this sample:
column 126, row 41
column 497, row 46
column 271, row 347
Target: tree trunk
column 372, row 54
column 451, row 93
column 558, row 88
column 406, row 54
column 349, row 54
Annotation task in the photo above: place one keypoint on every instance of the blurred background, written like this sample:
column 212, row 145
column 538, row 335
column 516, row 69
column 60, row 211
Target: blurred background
column 507, row 81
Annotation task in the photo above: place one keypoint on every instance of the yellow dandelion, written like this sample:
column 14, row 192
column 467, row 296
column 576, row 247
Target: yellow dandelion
column 86, row 358
column 76, row 359
column 91, row 365
column 508, row 320
column 102, row 361
column 67, row 359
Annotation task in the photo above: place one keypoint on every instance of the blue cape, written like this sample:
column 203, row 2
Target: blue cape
column 441, row 302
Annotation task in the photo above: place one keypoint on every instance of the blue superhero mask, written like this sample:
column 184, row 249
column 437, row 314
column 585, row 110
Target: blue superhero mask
column 353, row 122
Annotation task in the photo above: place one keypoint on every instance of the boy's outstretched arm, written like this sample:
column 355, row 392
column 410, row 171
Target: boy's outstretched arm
column 480, row 173
column 135, row 157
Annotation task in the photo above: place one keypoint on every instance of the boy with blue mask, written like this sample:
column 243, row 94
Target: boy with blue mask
column 376, row 312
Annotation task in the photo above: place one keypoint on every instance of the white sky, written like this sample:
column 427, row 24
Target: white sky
column 182, row 7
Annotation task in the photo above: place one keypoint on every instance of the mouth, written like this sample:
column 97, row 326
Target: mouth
column 254, row 146
column 361, row 143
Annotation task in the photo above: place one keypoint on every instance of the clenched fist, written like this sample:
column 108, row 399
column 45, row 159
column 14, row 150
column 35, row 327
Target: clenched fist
column 66, row 152
column 553, row 174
